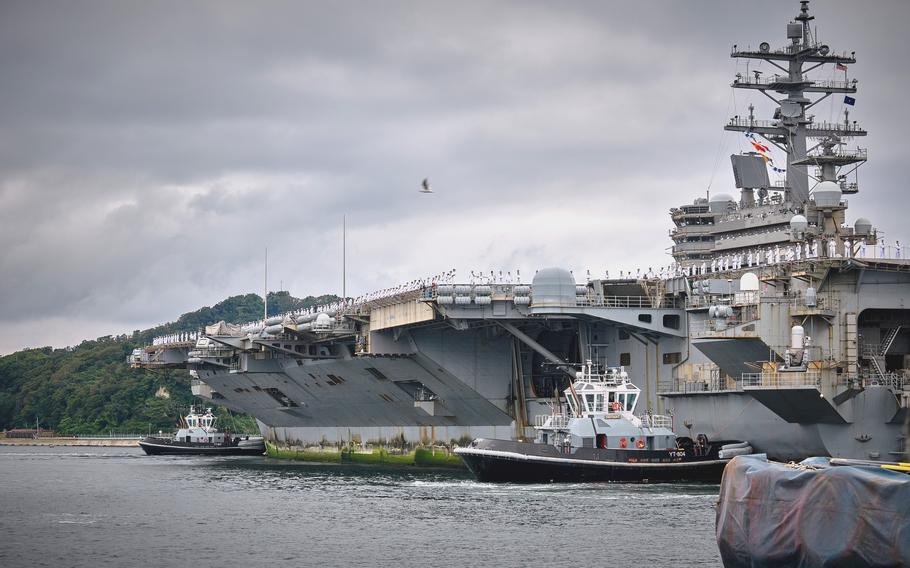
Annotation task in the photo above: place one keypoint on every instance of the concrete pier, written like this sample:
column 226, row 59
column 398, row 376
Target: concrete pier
column 69, row 441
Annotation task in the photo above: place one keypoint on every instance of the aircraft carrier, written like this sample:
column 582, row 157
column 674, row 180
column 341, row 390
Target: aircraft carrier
column 778, row 322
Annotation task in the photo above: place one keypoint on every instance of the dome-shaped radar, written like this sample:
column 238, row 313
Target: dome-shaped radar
column 862, row 226
column 719, row 202
column 798, row 223
column 323, row 322
column 553, row 287
column 827, row 194
column 748, row 282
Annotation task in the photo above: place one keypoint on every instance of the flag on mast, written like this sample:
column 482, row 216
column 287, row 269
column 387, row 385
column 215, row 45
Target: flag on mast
column 840, row 67
column 849, row 100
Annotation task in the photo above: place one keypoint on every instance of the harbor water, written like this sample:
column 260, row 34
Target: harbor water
column 77, row 506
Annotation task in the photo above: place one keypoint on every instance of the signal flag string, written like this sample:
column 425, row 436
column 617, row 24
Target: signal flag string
column 763, row 150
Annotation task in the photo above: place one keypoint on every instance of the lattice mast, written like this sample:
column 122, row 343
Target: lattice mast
column 791, row 126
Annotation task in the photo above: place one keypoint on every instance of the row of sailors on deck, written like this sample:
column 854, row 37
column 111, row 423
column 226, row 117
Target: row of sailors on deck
column 795, row 253
column 175, row 338
column 759, row 257
column 493, row 278
column 347, row 303
column 776, row 255
column 331, row 306
column 447, row 277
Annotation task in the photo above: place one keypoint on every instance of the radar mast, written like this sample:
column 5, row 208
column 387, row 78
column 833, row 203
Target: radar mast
column 790, row 90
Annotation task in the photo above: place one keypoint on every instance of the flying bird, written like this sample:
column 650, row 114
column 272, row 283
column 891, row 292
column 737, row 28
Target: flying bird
column 426, row 186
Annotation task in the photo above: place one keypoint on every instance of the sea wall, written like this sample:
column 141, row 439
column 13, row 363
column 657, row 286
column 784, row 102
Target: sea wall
column 63, row 441
column 418, row 457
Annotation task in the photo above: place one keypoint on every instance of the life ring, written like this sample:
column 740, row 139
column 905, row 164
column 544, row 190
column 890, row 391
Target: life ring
column 615, row 406
column 640, row 443
column 623, row 443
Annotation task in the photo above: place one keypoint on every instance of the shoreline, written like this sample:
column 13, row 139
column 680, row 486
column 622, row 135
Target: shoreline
column 63, row 441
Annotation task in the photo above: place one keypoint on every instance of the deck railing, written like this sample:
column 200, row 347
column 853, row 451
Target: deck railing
column 656, row 421
column 727, row 327
column 628, row 302
column 893, row 381
column 551, row 421
column 221, row 353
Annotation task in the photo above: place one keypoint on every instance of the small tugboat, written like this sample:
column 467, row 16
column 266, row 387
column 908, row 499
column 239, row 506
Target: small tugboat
column 596, row 436
column 200, row 437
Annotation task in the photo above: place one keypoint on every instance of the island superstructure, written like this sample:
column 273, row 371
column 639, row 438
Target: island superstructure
column 778, row 323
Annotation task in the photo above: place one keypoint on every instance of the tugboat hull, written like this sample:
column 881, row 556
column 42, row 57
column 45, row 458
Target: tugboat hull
column 157, row 446
column 519, row 462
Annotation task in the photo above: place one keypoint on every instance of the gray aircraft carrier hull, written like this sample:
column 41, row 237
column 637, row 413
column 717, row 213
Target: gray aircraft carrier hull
column 368, row 399
column 743, row 415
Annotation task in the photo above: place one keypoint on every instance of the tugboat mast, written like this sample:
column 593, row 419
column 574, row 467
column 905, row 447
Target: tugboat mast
column 790, row 127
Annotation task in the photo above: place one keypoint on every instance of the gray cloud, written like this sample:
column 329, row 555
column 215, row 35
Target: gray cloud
column 149, row 152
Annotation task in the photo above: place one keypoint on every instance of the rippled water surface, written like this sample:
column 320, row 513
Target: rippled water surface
column 62, row 506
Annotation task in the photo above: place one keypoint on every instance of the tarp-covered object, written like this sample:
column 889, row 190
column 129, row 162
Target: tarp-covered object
column 222, row 328
column 770, row 514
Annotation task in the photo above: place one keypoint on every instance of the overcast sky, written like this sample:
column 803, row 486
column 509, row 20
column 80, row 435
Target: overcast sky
column 150, row 151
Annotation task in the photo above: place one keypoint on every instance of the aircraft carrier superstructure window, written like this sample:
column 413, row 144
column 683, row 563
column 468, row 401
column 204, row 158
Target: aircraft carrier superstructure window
column 625, row 359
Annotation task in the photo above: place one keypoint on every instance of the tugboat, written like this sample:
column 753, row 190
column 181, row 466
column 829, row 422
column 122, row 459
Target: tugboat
column 596, row 436
column 200, row 437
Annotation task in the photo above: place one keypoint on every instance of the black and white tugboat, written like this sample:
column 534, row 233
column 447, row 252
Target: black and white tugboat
column 200, row 437
column 596, row 436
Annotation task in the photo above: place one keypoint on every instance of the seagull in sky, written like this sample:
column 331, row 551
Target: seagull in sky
column 425, row 185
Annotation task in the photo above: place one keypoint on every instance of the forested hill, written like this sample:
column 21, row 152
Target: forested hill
column 236, row 309
column 89, row 388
